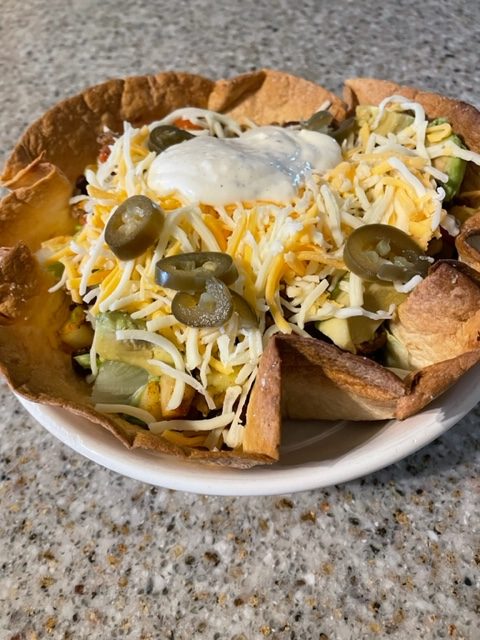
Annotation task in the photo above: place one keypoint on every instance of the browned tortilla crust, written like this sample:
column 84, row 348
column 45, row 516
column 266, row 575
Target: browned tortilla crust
column 319, row 379
column 268, row 97
column 428, row 383
column 298, row 377
column 468, row 242
column 18, row 281
column 37, row 207
column 440, row 319
column 67, row 133
column 264, row 412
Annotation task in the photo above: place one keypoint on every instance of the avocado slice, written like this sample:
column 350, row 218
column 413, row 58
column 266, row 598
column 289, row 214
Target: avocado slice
column 390, row 122
column 118, row 382
column 396, row 354
column 116, row 321
column 350, row 333
column 453, row 167
column 134, row 352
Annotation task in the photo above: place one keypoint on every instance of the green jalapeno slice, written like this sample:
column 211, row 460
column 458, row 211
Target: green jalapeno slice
column 319, row 121
column 166, row 135
column 133, row 227
column 244, row 310
column 346, row 128
column 190, row 271
column 381, row 252
column 210, row 308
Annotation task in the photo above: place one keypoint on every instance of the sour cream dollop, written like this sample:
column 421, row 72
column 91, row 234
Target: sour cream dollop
column 265, row 163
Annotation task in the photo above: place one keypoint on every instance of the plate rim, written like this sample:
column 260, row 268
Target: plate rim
column 258, row 481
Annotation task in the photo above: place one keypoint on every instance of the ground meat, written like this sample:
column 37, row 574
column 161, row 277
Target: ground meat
column 105, row 141
column 79, row 214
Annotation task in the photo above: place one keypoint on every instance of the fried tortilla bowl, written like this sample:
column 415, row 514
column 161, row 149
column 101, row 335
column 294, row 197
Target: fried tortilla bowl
column 298, row 378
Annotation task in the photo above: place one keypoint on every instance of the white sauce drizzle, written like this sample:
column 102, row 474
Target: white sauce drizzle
column 266, row 163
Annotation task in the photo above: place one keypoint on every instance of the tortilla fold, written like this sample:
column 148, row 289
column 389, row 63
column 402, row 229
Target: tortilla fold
column 468, row 241
column 299, row 378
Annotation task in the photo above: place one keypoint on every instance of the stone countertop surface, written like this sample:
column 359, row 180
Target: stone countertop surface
column 86, row 553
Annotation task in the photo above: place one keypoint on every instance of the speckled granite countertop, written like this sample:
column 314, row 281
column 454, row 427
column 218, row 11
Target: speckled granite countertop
column 86, row 553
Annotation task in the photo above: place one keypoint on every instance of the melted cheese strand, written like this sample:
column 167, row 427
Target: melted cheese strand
column 187, row 379
column 128, row 410
column 206, row 424
column 120, row 288
column 173, row 352
column 397, row 164
column 408, row 286
column 94, row 253
column 157, row 340
column 61, row 283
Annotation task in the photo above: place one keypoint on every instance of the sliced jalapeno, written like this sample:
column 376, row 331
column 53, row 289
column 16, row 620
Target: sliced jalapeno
column 381, row 252
column 345, row 128
column 56, row 269
column 133, row 227
column 190, row 271
column 166, row 135
column 244, row 310
column 320, row 121
column 211, row 308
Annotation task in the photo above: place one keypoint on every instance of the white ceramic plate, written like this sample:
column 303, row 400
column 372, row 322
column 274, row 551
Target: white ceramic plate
column 314, row 454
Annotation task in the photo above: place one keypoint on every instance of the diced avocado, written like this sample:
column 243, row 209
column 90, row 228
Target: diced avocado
column 148, row 398
column 116, row 321
column 453, row 167
column 390, row 122
column 462, row 212
column 117, row 382
column 109, row 348
column 396, row 354
column 350, row 333
column 135, row 352
column 380, row 296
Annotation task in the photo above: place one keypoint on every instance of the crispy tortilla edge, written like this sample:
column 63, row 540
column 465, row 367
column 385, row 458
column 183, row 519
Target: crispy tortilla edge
column 429, row 383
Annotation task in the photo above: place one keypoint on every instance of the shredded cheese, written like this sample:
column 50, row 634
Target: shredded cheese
column 289, row 255
column 128, row 410
column 207, row 424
